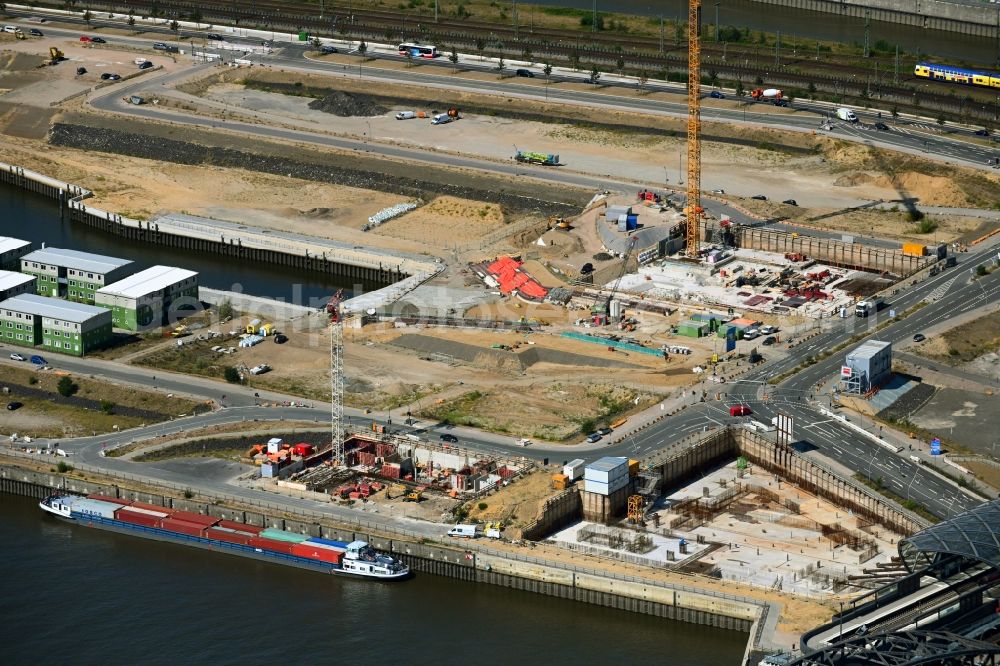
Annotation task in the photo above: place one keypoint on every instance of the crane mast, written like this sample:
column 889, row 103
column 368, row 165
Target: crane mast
column 693, row 208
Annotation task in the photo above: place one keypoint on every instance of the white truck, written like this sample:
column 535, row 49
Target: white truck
column 574, row 469
column 847, row 115
column 868, row 307
column 442, row 119
column 465, row 531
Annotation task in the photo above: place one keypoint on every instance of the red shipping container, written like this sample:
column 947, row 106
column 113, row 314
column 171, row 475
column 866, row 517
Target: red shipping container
column 312, row 552
column 303, row 449
column 194, row 518
column 233, row 525
column 182, row 527
column 136, row 518
column 104, row 498
column 150, row 507
column 271, row 544
column 228, row 537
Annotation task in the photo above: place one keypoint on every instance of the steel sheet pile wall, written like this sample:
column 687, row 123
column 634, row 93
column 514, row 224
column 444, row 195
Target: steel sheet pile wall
column 833, row 252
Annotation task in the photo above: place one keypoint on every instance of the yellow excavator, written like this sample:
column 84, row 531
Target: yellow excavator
column 414, row 495
column 55, row 55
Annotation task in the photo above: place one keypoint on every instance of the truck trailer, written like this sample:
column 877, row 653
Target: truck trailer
column 868, row 307
column 536, row 158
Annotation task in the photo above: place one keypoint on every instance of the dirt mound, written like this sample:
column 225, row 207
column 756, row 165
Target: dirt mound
column 930, row 190
column 854, row 179
column 348, row 104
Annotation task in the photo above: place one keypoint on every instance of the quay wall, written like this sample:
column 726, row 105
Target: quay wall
column 247, row 244
column 468, row 560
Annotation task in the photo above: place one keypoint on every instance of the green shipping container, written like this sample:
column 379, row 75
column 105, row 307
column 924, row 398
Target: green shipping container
column 281, row 535
column 692, row 329
column 303, row 36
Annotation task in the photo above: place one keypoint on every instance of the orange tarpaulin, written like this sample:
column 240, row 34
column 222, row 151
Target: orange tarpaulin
column 508, row 273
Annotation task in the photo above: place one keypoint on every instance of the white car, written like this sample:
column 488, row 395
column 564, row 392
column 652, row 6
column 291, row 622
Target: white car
column 524, row 442
column 260, row 369
column 11, row 28
column 16, row 357
column 767, row 330
column 750, row 334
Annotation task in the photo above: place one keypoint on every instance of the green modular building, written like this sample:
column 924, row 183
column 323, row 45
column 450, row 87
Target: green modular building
column 13, row 284
column 60, row 326
column 72, row 274
column 692, row 329
column 144, row 300
column 11, row 251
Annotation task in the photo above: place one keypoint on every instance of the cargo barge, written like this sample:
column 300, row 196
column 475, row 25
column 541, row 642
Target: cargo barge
column 356, row 558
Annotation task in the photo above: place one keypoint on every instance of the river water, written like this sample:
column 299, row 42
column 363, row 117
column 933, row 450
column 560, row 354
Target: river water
column 77, row 595
column 798, row 23
column 36, row 218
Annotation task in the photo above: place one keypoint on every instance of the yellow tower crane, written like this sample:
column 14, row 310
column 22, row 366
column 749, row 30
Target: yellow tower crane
column 693, row 208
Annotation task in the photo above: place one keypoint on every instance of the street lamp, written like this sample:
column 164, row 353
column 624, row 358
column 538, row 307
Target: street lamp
column 515, row 160
column 666, row 176
column 680, row 168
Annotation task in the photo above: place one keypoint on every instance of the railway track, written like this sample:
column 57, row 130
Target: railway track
column 800, row 76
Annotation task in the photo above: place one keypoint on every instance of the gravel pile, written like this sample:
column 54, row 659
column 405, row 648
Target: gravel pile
column 909, row 403
column 346, row 105
column 108, row 140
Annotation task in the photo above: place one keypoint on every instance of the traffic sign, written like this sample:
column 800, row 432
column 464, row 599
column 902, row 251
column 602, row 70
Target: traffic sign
column 935, row 447
column 846, row 372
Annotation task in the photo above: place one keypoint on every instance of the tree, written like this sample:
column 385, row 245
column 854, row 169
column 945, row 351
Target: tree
column 620, row 65
column 894, row 111
column 316, row 44
column 739, row 88
column 87, row 16
column 574, row 59
column 501, row 66
column 107, row 406
column 941, row 120
column 643, row 79
column 453, row 57
column 131, row 21
column 713, row 77
column 225, row 309
column 232, row 375
column 595, row 75
column 480, row 47
column 175, row 26
column 362, row 48
column 66, row 387
column 812, row 88
column 547, row 70
column 196, row 15
column 527, row 54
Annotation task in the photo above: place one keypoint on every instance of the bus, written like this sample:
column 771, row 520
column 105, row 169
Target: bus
column 418, row 50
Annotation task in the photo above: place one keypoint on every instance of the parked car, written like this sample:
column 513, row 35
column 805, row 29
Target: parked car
column 14, row 405
column 882, row 127
column 715, row 94
column 718, row 191
column 217, row 37
column 11, row 28
column 326, row 48
column 527, row 73
column 919, row 337
column 767, row 329
column 35, row 32
column 84, row 38
column 759, row 197
column 280, row 338
column 768, row 341
column 446, row 437
column 38, row 360
column 790, row 202
column 16, row 357
column 594, row 437
column 146, row 65
column 80, row 71
column 740, row 410
column 110, row 76
column 159, row 46
column 781, row 102
column 982, row 132
column 98, row 40
column 604, row 431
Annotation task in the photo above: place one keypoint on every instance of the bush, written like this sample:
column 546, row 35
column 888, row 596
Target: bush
column 32, row 380
column 926, row 226
column 67, row 387
column 482, row 506
column 62, row 468
column 225, row 309
column 107, row 406
column 232, row 375
column 981, row 270
column 188, row 494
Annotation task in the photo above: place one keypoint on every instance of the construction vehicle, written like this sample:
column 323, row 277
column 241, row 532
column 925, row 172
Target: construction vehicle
column 766, row 94
column 180, row 331
column 55, row 55
column 603, row 307
column 493, row 530
column 528, row 157
column 556, row 222
column 414, row 495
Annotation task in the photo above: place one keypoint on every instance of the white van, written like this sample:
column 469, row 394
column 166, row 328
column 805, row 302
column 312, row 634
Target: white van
column 11, row 28
column 847, row 114
column 441, row 119
column 466, row 531
column 405, row 115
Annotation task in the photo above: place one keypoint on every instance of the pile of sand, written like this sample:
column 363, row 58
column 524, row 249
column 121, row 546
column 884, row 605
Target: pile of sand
column 346, row 105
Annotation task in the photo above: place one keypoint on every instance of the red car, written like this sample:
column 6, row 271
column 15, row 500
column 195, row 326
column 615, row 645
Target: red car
column 740, row 410
column 84, row 38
